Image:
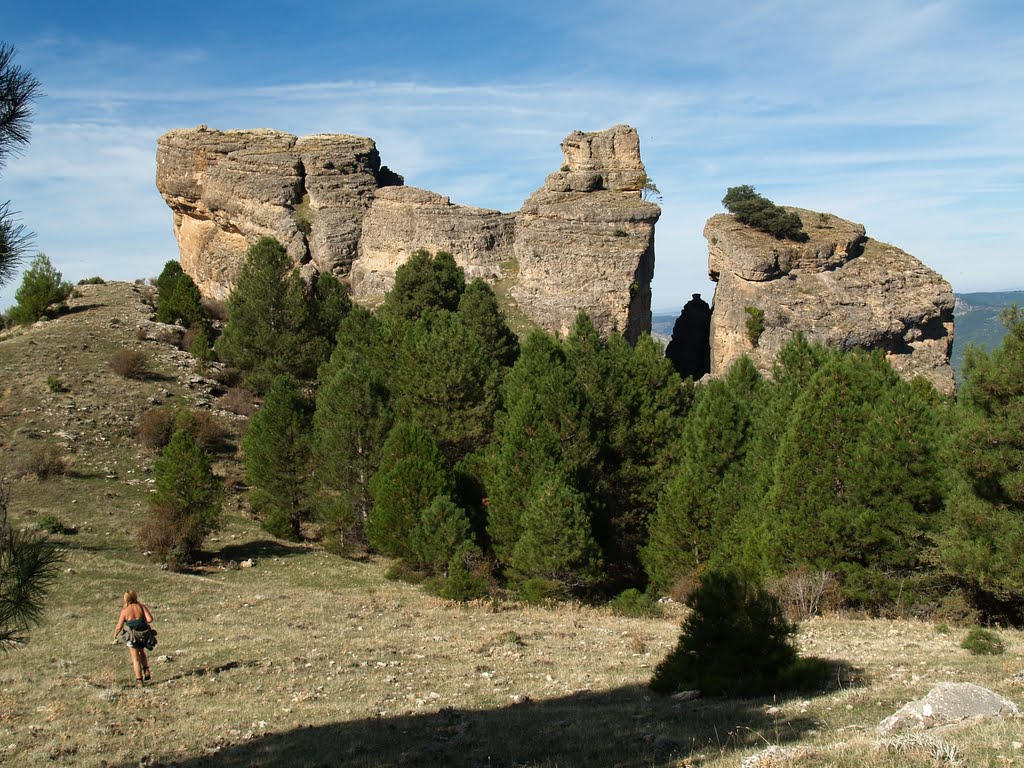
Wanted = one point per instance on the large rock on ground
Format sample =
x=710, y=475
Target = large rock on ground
x=839, y=288
x=946, y=704
x=584, y=241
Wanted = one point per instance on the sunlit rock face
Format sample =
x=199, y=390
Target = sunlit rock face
x=838, y=287
x=582, y=242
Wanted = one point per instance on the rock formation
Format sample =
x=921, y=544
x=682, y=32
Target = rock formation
x=839, y=287
x=584, y=241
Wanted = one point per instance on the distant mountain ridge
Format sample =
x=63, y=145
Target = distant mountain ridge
x=976, y=317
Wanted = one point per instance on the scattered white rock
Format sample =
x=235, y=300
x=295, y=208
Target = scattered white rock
x=685, y=696
x=776, y=756
x=949, y=703
x=247, y=563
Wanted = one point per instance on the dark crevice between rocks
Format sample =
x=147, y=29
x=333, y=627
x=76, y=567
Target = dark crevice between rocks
x=690, y=347
x=303, y=212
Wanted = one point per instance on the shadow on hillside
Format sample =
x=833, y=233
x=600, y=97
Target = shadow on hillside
x=77, y=308
x=624, y=727
x=261, y=548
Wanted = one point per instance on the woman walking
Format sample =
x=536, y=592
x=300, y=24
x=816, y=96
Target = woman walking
x=135, y=619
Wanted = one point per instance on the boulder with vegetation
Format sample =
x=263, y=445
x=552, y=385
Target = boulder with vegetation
x=837, y=286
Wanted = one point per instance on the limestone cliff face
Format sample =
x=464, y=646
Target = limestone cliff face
x=584, y=241
x=839, y=287
x=586, y=238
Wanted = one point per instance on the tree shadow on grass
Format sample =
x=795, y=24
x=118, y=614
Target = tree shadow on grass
x=261, y=548
x=628, y=726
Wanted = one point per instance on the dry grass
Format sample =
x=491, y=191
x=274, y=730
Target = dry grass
x=311, y=659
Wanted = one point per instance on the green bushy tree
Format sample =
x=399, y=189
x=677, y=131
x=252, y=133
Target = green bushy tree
x=29, y=565
x=696, y=504
x=277, y=457
x=177, y=297
x=557, y=542
x=424, y=282
x=412, y=474
x=838, y=501
x=185, y=506
x=41, y=287
x=544, y=430
x=982, y=541
x=442, y=529
x=18, y=92
x=735, y=642
x=276, y=323
x=442, y=376
x=761, y=213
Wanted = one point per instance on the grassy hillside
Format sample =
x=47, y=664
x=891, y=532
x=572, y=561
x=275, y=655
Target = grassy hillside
x=311, y=659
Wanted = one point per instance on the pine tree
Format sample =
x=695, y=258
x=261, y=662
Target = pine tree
x=412, y=474
x=557, y=542
x=441, y=531
x=178, y=299
x=857, y=479
x=277, y=456
x=693, y=509
x=41, y=286
x=479, y=311
x=982, y=542
x=351, y=422
x=441, y=376
x=251, y=337
x=29, y=565
x=545, y=429
x=423, y=282
x=185, y=506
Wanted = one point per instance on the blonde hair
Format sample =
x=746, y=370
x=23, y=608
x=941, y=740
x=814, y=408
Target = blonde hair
x=130, y=597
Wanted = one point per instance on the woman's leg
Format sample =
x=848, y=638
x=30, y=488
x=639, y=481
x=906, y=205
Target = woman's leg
x=136, y=662
x=145, y=664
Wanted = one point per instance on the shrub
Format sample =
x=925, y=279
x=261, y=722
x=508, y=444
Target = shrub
x=635, y=603
x=206, y=429
x=808, y=674
x=55, y=385
x=468, y=575
x=92, y=281
x=155, y=427
x=735, y=641
x=130, y=363
x=41, y=462
x=538, y=591
x=983, y=642
x=53, y=524
x=805, y=593
x=239, y=400
x=761, y=213
x=755, y=325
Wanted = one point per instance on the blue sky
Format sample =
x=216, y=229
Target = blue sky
x=905, y=116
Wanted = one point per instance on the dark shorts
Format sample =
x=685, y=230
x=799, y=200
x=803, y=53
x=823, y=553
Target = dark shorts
x=139, y=625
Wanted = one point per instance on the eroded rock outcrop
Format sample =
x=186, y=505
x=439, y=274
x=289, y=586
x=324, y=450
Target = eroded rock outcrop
x=584, y=241
x=839, y=287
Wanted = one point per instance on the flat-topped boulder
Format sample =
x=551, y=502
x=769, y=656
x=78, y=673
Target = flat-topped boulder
x=838, y=287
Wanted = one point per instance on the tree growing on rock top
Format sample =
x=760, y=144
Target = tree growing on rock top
x=761, y=213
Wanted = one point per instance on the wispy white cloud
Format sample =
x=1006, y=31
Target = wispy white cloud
x=898, y=113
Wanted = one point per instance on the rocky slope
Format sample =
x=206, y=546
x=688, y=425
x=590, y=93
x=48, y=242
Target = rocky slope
x=584, y=241
x=839, y=287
